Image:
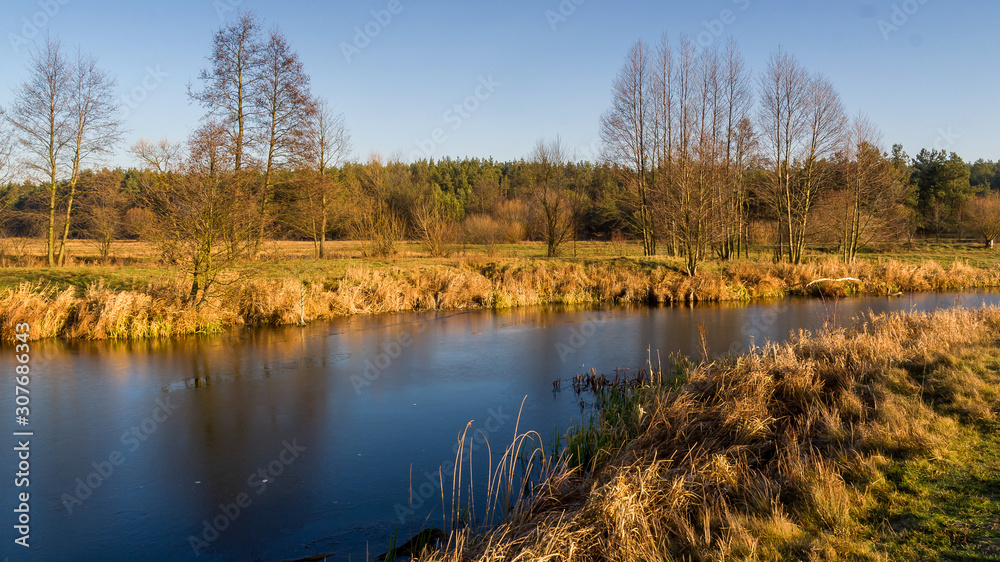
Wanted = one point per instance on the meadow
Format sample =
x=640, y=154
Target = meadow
x=136, y=296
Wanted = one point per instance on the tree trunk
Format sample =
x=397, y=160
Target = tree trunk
x=61, y=259
x=51, y=241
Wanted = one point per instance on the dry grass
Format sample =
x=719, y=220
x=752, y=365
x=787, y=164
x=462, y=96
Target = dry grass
x=272, y=296
x=772, y=455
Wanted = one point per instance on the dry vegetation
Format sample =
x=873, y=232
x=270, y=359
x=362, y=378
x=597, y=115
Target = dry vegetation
x=788, y=452
x=80, y=303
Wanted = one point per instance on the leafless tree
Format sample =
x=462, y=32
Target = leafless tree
x=43, y=125
x=740, y=144
x=63, y=115
x=627, y=137
x=434, y=227
x=103, y=204
x=983, y=214
x=782, y=124
x=8, y=162
x=329, y=141
x=285, y=112
x=802, y=119
x=231, y=82
x=320, y=201
x=208, y=148
x=873, y=190
x=379, y=226
x=825, y=127
x=96, y=126
x=8, y=172
x=162, y=156
x=548, y=191
x=199, y=211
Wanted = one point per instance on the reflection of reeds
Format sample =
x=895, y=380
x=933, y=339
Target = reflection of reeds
x=778, y=454
x=159, y=310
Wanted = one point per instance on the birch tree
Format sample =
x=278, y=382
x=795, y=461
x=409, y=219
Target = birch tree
x=64, y=115
x=43, y=125
x=95, y=127
x=320, y=201
x=626, y=134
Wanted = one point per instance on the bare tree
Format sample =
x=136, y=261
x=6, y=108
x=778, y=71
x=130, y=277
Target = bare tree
x=208, y=149
x=873, y=190
x=802, y=119
x=736, y=104
x=95, y=126
x=316, y=203
x=548, y=191
x=162, y=156
x=782, y=124
x=825, y=125
x=285, y=110
x=665, y=121
x=329, y=146
x=231, y=82
x=103, y=204
x=64, y=115
x=983, y=214
x=198, y=213
x=8, y=163
x=627, y=137
x=8, y=172
x=43, y=125
x=434, y=227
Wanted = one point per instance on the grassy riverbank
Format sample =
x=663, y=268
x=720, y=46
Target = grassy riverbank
x=874, y=444
x=138, y=299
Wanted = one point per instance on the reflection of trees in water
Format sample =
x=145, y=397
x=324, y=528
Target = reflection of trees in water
x=242, y=395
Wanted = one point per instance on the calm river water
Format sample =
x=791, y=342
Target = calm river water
x=282, y=443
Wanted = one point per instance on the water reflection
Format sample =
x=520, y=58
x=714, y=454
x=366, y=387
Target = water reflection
x=371, y=400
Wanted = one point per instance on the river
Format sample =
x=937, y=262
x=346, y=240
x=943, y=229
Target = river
x=282, y=443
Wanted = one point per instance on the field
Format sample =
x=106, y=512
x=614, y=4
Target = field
x=135, y=296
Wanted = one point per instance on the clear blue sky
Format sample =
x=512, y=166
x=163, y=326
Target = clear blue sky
x=934, y=81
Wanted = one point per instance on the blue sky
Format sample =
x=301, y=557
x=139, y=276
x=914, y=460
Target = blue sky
x=931, y=81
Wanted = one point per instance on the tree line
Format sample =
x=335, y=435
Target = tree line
x=702, y=157
x=709, y=147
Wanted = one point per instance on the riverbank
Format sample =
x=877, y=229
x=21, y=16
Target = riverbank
x=86, y=304
x=873, y=444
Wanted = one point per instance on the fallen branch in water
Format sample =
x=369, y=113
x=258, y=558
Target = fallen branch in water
x=834, y=280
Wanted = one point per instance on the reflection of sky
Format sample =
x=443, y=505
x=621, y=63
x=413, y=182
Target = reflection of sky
x=241, y=396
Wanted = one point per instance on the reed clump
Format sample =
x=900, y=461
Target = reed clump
x=778, y=454
x=160, y=309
